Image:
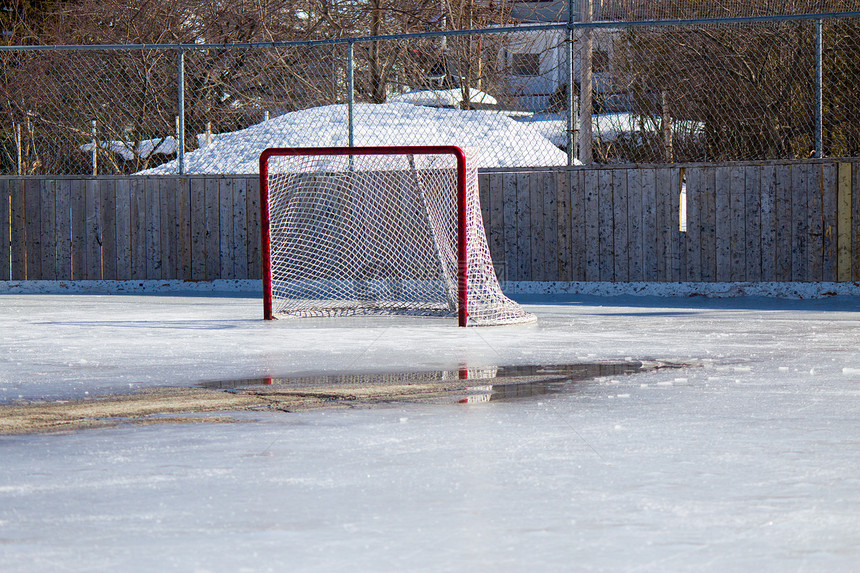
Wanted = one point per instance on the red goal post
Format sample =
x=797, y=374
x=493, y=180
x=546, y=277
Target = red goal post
x=299, y=179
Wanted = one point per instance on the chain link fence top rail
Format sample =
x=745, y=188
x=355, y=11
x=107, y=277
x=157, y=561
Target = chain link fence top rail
x=685, y=91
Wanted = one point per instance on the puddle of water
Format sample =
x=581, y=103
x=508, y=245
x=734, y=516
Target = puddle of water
x=516, y=382
x=479, y=384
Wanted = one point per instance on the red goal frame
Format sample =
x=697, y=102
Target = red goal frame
x=458, y=153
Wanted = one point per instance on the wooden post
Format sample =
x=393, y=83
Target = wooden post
x=666, y=127
x=585, y=83
x=95, y=158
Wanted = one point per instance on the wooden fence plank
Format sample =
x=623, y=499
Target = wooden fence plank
x=800, y=224
x=240, y=229
x=524, y=254
x=225, y=226
x=484, y=197
x=550, y=225
x=855, y=219
x=122, y=192
x=197, y=189
x=183, y=229
x=5, y=231
x=782, y=193
x=496, y=224
x=154, y=254
x=694, y=224
x=723, y=224
x=829, y=221
x=93, y=230
x=650, y=263
x=211, y=216
x=708, y=227
x=577, y=224
x=673, y=213
x=678, y=239
x=48, y=229
x=255, y=261
x=605, y=231
x=564, y=261
x=32, y=228
x=635, y=267
x=107, y=222
x=78, y=216
x=844, y=205
x=620, y=231
x=661, y=214
x=509, y=198
x=737, y=196
x=664, y=221
x=752, y=222
x=18, y=233
x=537, y=230
x=138, y=226
x=592, y=225
x=63, y=211
x=767, y=184
x=679, y=242
x=167, y=228
x=815, y=224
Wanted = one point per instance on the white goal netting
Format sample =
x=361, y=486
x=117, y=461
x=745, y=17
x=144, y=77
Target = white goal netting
x=378, y=234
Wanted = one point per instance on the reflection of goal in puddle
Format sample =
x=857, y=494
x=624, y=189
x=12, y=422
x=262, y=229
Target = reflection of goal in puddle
x=491, y=383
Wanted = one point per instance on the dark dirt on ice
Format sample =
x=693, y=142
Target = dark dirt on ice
x=214, y=402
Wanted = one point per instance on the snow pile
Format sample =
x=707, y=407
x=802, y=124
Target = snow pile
x=498, y=140
x=443, y=98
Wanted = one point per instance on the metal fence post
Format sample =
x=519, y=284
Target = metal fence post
x=350, y=92
x=585, y=84
x=180, y=122
x=819, y=96
x=571, y=120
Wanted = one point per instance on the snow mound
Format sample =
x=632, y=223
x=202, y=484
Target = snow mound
x=494, y=140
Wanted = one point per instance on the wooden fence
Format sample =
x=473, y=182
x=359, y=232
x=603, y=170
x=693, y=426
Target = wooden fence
x=131, y=228
x=792, y=221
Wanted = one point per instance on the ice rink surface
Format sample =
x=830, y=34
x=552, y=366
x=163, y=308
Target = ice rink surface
x=746, y=458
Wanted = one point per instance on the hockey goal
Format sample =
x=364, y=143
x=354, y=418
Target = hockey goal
x=377, y=230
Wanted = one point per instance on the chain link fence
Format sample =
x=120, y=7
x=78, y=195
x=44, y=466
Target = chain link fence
x=661, y=92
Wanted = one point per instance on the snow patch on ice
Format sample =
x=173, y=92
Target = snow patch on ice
x=789, y=290
x=793, y=290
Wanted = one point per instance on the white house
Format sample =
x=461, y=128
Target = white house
x=536, y=61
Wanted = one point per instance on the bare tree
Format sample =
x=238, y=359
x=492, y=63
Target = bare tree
x=741, y=92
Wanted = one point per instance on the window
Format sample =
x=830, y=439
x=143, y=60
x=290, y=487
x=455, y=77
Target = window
x=525, y=64
x=600, y=61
